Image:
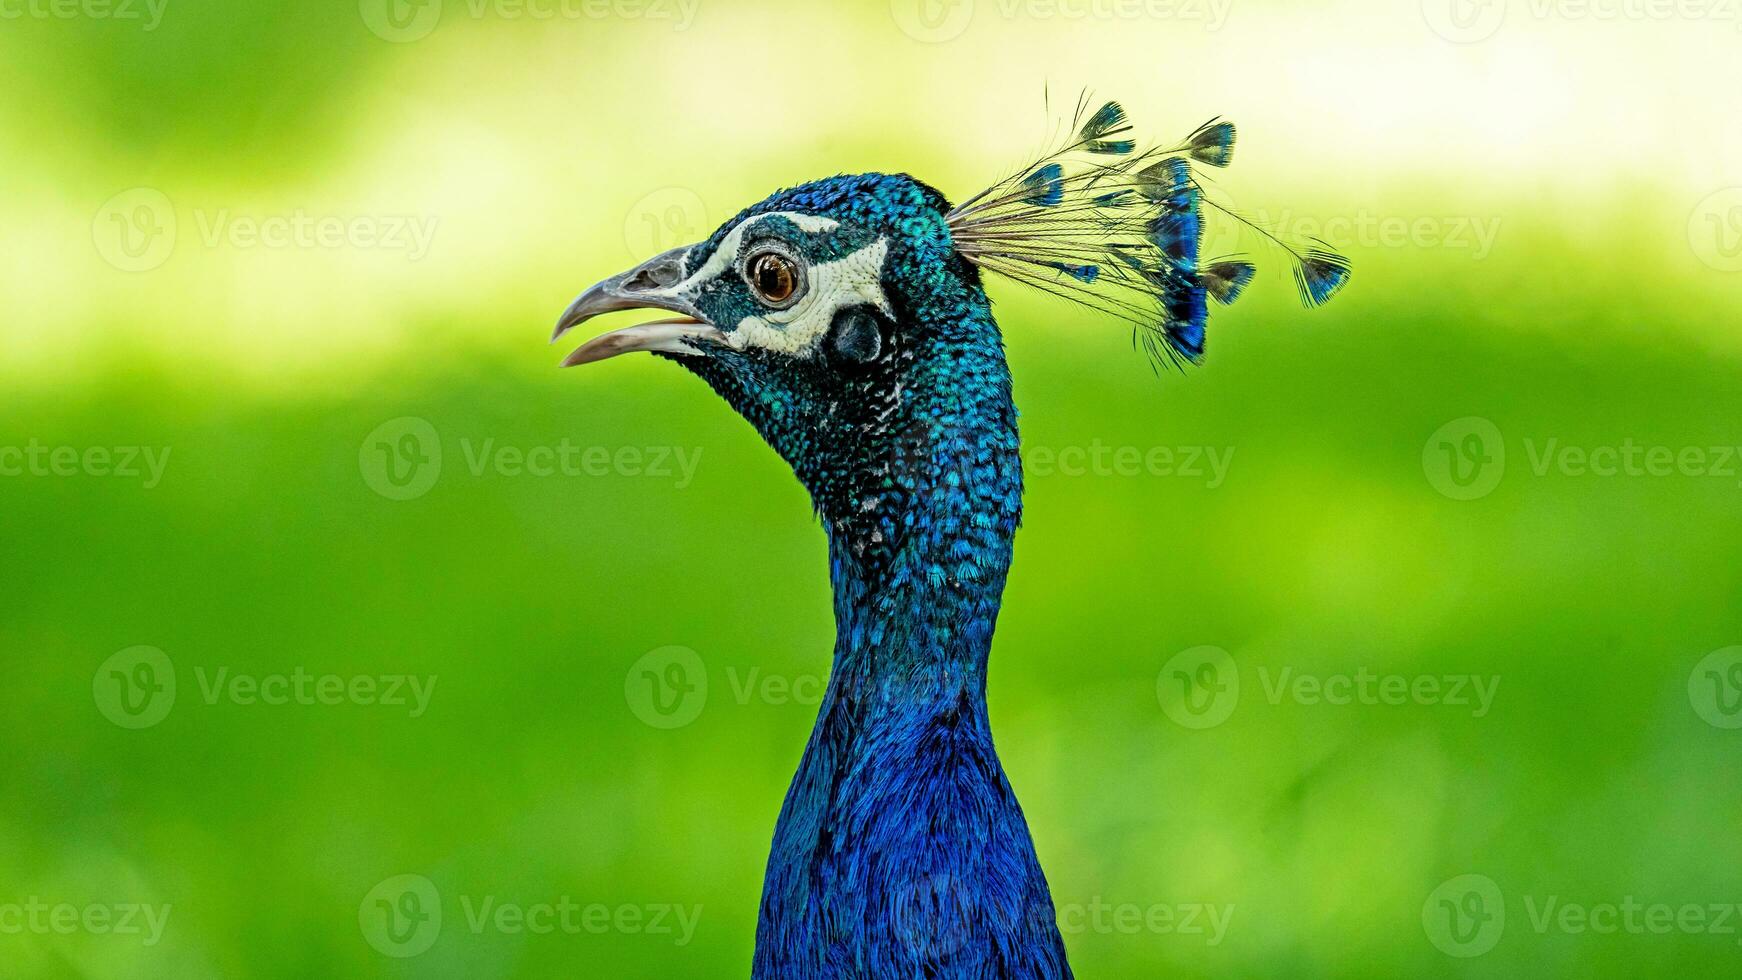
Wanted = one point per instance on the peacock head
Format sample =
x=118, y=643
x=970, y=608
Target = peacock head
x=815, y=313
x=845, y=318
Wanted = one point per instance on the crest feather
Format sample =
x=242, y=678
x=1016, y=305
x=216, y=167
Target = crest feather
x=1119, y=231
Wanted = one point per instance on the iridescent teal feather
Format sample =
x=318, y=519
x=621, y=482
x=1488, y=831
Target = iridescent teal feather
x=1044, y=186
x=1213, y=144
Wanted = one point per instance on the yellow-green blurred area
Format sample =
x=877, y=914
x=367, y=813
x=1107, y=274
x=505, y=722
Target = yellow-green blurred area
x=255, y=248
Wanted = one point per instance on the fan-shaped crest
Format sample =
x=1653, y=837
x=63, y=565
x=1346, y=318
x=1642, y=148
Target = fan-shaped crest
x=1118, y=229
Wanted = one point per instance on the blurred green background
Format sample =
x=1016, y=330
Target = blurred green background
x=257, y=243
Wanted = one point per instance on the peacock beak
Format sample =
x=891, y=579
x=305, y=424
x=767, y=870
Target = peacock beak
x=656, y=284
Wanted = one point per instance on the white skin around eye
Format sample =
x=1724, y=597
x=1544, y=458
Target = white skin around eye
x=851, y=280
x=727, y=253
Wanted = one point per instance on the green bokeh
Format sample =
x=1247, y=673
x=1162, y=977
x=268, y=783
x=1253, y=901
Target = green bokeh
x=1332, y=544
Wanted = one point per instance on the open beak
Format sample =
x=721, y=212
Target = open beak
x=652, y=285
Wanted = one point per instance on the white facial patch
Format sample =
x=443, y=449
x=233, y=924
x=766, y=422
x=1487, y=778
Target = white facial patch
x=851, y=280
x=810, y=224
x=727, y=253
x=848, y=281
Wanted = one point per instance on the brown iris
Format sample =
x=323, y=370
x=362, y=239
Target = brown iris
x=773, y=276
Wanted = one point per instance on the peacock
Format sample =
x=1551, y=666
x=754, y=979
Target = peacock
x=846, y=321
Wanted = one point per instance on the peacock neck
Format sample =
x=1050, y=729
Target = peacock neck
x=901, y=849
x=920, y=554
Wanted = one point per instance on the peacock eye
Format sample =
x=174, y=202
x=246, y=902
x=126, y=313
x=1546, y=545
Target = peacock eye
x=773, y=277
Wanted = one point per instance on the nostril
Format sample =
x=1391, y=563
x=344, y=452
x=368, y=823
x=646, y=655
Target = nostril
x=660, y=274
x=641, y=281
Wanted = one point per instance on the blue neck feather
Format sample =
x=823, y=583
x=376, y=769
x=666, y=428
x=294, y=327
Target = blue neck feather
x=901, y=850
